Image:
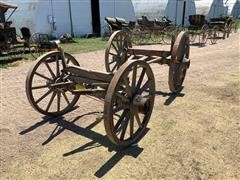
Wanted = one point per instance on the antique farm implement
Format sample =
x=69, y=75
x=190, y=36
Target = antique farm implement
x=156, y=31
x=216, y=28
x=12, y=44
x=199, y=27
x=116, y=24
x=119, y=50
x=56, y=81
x=145, y=30
x=223, y=25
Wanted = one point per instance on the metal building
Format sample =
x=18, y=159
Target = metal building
x=233, y=8
x=176, y=10
x=77, y=17
x=179, y=10
x=212, y=8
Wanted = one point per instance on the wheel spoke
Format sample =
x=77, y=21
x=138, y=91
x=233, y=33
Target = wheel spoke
x=51, y=100
x=45, y=95
x=113, y=61
x=144, y=87
x=42, y=76
x=120, y=120
x=117, y=109
x=138, y=119
x=122, y=97
x=50, y=70
x=125, y=125
x=65, y=97
x=112, y=54
x=121, y=42
x=115, y=66
x=134, y=76
x=68, y=60
x=118, y=43
x=58, y=101
x=117, y=51
x=40, y=87
x=131, y=124
x=57, y=67
x=139, y=83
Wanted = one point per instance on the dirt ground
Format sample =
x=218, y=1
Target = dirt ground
x=192, y=135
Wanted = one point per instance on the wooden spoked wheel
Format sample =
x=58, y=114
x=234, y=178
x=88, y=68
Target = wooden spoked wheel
x=44, y=85
x=169, y=32
x=235, y=27
x=35, y=45
x=106, y=31
x=135, y=36
x=204, y=35
x=129, y=102
x=143, y=35
x=179, y=62
x=156, y=36
x=226, y=30
x=214, y=35
x=192, y=36
x=116, y=51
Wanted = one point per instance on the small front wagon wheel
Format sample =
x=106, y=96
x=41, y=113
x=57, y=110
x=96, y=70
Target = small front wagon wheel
x=129, y=102
x=47, y=88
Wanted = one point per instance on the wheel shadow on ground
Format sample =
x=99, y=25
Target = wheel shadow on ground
x=10, y=60
x=97, y=140
x=197, y=44
x=171, y=96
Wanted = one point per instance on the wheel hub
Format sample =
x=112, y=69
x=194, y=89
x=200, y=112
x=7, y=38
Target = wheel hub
x=141, y=104
x=58, y=84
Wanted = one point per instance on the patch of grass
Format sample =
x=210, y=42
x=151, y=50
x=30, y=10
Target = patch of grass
x=238, y=23
x=83, y=45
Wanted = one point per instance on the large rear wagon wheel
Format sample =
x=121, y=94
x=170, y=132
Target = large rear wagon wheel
x=179, y=62
x=43, y=88
x=116, y=51
x=129, y=102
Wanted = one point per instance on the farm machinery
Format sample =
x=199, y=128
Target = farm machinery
x=56, y=81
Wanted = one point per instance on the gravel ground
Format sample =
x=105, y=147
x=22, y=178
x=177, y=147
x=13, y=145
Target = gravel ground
x=194, y=135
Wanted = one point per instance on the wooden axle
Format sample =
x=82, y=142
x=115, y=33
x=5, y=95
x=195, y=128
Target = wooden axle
x=145, y=52
x=89, y=74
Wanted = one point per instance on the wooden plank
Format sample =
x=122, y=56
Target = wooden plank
x=145, y=52
x=89, y=74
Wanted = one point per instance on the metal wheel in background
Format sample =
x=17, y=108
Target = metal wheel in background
x=43, y=85
x=129, y=102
